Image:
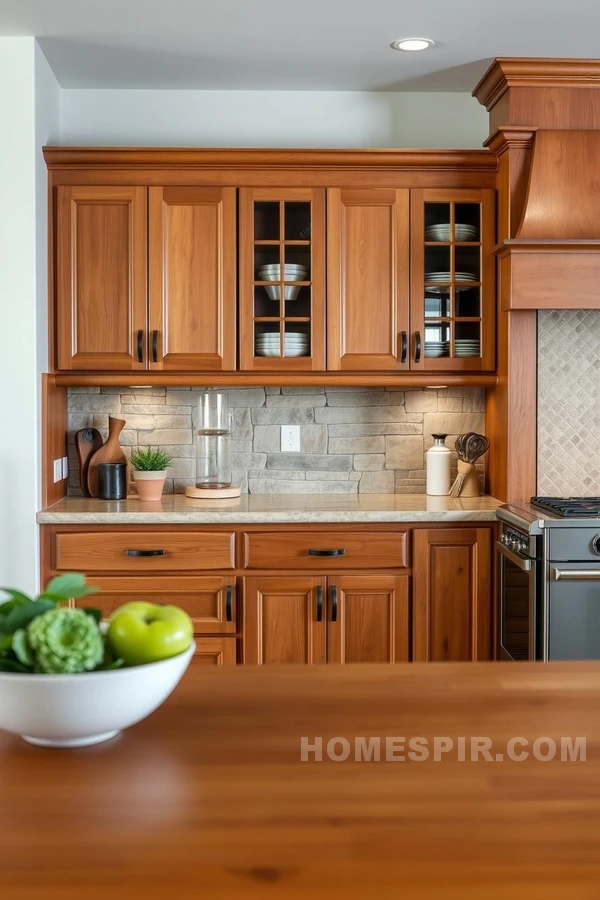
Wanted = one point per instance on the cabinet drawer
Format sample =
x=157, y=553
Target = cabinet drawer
x=327, y=551
x=210, y=601
x=215, y=651
x=143, y=551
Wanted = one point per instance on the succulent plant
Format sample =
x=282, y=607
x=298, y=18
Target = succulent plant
x=149, y=460
x=65, y=641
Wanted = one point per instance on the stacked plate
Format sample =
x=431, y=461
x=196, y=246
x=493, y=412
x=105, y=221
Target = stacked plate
x=295, y=344
x=443, y=232
x=466, y=347
x=462, y=281
x=291, y=272
x=437, y=348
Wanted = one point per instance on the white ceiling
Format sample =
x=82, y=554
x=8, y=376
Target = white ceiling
x=294, y=44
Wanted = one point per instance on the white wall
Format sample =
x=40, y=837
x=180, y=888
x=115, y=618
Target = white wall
x=18, y=388
x=272, y=119
x=24, y=77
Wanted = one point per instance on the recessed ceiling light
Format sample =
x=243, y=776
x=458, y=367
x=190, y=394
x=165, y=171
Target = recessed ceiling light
x=411, y=45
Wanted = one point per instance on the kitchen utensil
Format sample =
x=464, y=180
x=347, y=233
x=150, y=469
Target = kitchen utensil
x=110, y=452
x=87, y=442
x=305, y=232
x=469, y=447
x=112, y=481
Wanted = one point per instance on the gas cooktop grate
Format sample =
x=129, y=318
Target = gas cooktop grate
x=569, y=507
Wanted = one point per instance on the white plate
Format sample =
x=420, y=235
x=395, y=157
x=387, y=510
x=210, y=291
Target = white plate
x=265, y=351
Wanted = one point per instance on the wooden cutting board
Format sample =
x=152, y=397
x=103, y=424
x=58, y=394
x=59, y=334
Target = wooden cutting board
x=87, y=441
x=110, y=452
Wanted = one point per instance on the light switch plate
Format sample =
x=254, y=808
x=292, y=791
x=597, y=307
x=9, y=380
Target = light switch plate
x=57, y=470
x=290, y=439
x=65, y=467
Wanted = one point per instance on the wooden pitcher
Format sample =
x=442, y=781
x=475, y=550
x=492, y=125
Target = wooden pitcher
x=110, y=452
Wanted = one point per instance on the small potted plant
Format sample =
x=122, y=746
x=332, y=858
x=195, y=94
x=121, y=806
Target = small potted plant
x=149, y=472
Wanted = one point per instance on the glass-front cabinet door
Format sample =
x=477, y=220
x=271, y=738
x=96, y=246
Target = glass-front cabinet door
x=452, y=296
x=282, y=279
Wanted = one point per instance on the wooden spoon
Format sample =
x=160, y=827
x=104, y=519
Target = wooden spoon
x=110, y=453
x=88, y=441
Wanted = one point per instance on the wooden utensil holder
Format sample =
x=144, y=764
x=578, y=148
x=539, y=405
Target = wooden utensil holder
x=470, y=485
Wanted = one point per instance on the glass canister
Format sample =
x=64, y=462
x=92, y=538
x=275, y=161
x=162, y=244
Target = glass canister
x=213, y=437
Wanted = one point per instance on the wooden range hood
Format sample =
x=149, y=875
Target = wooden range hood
x=545, y=133
x=553, y=259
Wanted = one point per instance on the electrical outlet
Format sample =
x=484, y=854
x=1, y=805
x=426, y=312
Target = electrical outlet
x=65, y=467
x=290, y=439
x=57, y=470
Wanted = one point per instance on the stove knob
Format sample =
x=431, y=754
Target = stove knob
x=596, y=544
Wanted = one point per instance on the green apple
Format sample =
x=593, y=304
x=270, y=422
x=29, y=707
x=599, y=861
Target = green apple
x=141, y=632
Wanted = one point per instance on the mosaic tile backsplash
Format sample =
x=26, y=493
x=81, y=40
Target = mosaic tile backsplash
x=352, y=440
x=569, y=402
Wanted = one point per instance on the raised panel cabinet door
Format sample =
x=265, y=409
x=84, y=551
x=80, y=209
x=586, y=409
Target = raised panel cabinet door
x=368, y=279
x=452, y=594
x=101, y=296
x=368, y=619
x=209, y=600
x=192, y=271
x=453, y=306
x=215, y=651
x=284, y=620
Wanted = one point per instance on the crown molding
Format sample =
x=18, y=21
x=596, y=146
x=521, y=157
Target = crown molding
x=507, y=72
x=200, y=157
x=510, y=136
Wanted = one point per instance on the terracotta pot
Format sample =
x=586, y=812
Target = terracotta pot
x=149, y=484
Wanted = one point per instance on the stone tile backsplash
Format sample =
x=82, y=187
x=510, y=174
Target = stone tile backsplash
x=569, y=402
x=352, y=440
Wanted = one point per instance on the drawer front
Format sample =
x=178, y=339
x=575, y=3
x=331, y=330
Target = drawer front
x=326, y=551
x=215, y=651
x=145, y=552
x=209, y=601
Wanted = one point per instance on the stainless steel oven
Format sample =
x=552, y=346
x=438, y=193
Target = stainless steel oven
x=549, y=570
x=520, y=567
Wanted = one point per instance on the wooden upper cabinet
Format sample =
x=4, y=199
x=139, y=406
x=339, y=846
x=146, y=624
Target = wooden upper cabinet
x=101, y=252
x=282, y=279
x=368, y=619
x=452, y=589
x=284, y=620
x=192, y=279
x=453, y=280
x=368, y=279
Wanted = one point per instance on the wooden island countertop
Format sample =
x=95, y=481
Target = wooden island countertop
x=209, y=798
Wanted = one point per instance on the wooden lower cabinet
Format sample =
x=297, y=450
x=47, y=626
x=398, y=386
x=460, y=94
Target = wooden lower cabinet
x=371, y=621
x=339, y=619
x=284, y=620
x=215, y=651
x=452, y=588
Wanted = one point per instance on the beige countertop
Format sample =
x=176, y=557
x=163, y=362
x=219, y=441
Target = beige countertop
x=176, y=509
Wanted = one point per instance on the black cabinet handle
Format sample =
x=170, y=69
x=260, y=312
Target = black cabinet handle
x=228, y=603
x=155, y=346
x=417, y=346
x=319, y=603
x=403, y=346
x=145, y=552
x=140, y=345
x=340, y=552
x=334, y=603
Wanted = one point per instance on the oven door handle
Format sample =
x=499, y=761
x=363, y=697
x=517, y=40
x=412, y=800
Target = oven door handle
x=575, y=574
x=523, y=564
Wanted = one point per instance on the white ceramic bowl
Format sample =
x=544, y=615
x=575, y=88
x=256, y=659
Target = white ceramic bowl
x=77, y=710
